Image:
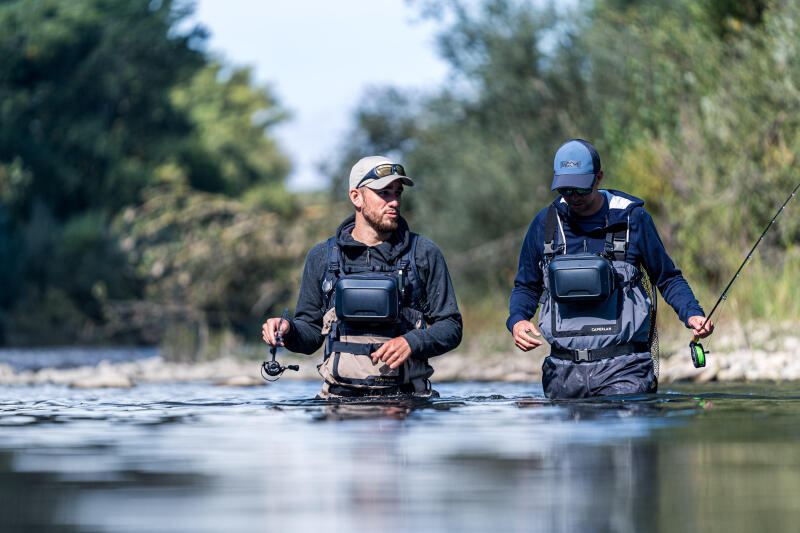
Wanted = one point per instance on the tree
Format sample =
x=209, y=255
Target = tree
x=229, y=151
x=87, y=112
x=102, y=103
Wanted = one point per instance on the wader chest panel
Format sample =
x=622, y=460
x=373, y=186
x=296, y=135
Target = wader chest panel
x=580, y=324
x=366, y=306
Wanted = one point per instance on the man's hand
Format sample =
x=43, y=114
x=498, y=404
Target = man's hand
x=696, y=322
x=521, y=338
x=269, y=331
x=392, y=352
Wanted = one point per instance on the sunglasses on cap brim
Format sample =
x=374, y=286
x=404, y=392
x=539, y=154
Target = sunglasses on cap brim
x=381, y=171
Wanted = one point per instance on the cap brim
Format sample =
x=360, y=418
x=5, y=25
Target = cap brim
x=581, y=181
x=382, y=183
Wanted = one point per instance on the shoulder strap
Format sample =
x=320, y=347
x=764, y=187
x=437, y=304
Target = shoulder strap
x=407, y=260
x=616, y=244
x=332, y=269
x=550, y=228
x=408, y=263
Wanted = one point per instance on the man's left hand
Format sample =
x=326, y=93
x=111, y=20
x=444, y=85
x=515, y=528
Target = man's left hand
x=697, y=326
x=392, y=352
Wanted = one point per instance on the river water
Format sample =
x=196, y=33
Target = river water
x=482, y=457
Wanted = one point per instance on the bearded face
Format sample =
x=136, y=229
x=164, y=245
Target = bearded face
x=376, y=218
x=381, y=208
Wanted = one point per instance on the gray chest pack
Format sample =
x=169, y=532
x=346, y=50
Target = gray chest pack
x=365, y=306
x=593, y=306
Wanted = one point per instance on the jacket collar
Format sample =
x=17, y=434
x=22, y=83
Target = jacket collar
x=620, y=205
x=390, y=249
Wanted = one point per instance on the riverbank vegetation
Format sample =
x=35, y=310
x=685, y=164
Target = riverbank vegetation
x=143, y=198
x=690, y=104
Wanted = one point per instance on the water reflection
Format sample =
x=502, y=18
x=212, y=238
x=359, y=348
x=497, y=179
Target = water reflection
x=338, y=412
x=481, y=457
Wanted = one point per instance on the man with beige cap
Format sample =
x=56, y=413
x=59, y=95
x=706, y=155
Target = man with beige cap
x=380, y=294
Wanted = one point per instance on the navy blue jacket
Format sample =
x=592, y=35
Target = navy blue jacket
x=586, y=234
x=443, y=318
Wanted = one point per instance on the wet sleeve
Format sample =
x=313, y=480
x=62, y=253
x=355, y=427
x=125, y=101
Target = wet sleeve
x=668, y=278
x=528, y=282
x=305, y=332
x=443, y=317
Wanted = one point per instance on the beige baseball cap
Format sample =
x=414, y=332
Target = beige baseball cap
x=388, y=172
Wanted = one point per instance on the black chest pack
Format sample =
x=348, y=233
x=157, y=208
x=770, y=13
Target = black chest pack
x=581, y=277
x=372, y=295
x=364, y=307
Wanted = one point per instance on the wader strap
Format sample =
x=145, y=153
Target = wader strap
x=332, y=255
x=617, y=242
x=331, y=272
x=599, y=353
x=348, y=392
x=550, y=223
x=356, y=348
x=418, y=297
x=360, y=269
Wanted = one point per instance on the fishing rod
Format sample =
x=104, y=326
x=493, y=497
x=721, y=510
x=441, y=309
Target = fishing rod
x=273, y=368
x=697, y=350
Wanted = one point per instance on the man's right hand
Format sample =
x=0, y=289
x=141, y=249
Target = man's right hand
x=269, y=331
x=521, y=338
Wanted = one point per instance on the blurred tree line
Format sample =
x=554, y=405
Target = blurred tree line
x=691, y=104
x=142, y=198
x=140, y=193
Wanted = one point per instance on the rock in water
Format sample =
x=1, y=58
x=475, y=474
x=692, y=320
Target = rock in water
x=117, y=381
x=240, y=381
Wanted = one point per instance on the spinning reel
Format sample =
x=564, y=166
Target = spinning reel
x=272, y=367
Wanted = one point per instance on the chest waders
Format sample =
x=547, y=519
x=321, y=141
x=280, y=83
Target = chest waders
x=594, y=307
x=365, y=306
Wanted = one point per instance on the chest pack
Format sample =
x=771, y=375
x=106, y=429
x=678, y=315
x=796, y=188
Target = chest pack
x=593, y=305
x=365, y=306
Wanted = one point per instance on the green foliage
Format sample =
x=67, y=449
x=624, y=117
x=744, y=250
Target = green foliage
x=104, y=104
x=86, y=108
x=229, y=151
x=209, y=259
x=692, y=106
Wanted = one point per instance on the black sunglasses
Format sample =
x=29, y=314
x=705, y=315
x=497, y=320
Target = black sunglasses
x=569, y=191
x=580, y=191
x=381, y=171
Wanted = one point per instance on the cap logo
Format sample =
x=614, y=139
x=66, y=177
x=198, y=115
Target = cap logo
x=570, y=164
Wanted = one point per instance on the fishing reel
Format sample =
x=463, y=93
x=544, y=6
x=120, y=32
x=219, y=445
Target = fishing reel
x=698, y=354
x=272, y=367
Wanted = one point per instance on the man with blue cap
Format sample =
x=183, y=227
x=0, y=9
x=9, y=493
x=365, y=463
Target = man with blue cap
x=583, y=260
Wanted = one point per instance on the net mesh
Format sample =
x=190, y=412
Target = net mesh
x=653, y=338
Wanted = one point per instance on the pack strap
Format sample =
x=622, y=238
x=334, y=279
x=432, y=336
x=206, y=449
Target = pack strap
x=599, y=353
x=360, y=269
x=616, y=244
x=331, y=272
x=550, y=224
x=333, y=255
x=355, y=348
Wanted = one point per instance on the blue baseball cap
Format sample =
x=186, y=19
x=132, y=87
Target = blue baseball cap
x=576, y=165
